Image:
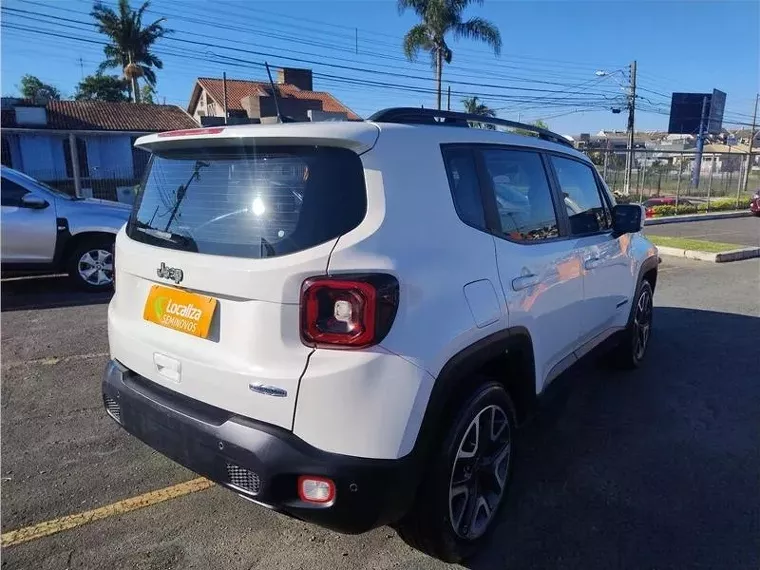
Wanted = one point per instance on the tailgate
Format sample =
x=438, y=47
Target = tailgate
x=209, y=269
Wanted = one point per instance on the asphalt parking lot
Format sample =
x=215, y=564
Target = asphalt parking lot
x=741, y=231
x=654, y=469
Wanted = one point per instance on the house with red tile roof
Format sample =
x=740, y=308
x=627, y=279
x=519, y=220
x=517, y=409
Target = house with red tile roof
x=84, y=147
x=252, y=101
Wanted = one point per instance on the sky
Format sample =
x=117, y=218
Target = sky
x=551, y=51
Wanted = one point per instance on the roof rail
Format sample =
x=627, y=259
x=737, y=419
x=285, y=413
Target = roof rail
x=413, y=115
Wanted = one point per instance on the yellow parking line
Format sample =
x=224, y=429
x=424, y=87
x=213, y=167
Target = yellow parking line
x=47, y=528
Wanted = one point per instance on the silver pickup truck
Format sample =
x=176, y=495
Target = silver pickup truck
x=46, y=230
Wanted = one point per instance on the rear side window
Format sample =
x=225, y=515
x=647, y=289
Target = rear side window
x=465, y=188
x=249, y=201
x=585, y=208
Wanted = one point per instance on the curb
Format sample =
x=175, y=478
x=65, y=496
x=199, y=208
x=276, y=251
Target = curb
x=722, y=257
x=695, y=218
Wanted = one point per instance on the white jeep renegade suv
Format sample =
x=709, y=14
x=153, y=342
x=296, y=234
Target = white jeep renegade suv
x=347, y=321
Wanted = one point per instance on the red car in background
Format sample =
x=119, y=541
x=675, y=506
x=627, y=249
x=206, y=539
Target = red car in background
x=754, y=205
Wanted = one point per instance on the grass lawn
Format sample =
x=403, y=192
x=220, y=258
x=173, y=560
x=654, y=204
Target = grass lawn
x=692, y=244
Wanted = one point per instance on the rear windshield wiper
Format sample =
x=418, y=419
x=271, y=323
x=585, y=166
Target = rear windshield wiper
x=185, y=242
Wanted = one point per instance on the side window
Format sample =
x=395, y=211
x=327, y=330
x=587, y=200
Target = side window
x=523, y=196
x=580, y=192
x=11, y=193
x=465, y=188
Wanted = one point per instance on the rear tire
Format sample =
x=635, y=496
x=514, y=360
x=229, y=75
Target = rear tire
x=90, y=264
x=630, y=353
x=467, y=478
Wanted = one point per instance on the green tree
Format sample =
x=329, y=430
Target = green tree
x=101, y=87
x=538, y=123
x=440, y=18
x=33, y=88
x=473, y=106
x=148, y=94
x=129, y=46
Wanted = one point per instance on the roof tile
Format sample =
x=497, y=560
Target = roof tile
x=238, y=89
x=108, y=116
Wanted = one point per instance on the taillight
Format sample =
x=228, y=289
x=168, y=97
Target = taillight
x=348, y=311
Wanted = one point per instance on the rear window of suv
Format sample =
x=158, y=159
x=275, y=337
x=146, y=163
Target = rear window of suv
x=249, y=201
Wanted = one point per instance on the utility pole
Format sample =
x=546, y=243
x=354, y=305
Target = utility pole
x=448, y=99
x=629, y=159
x=224, y=88
x=81, y=67
x=700, y=145
x=751, y=144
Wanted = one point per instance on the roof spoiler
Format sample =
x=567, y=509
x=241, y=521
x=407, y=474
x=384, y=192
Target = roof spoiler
x=414, y=116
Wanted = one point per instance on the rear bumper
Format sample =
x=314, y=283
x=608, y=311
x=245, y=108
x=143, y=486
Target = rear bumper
x=258, y=461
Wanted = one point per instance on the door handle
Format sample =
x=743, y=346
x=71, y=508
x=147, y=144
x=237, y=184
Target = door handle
x=525, y=281
x=592, y=263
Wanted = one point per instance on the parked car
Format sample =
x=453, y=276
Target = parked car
x=754, y=205
x=46, y=230
x=346, y=322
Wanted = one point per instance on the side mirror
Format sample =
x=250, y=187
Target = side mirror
x=34, y=202
x=627, y=218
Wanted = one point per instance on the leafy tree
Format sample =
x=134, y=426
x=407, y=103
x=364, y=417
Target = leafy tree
x=538, y=123
x=130, y=43
x=440, y=18
x=147, y=94
x=101, y=87
x=33, y=88
x=473, y=106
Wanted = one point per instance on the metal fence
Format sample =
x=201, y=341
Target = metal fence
x=106, y=184
x=658, y=173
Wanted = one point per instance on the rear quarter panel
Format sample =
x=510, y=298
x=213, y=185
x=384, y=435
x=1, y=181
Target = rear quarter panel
x=411, y=231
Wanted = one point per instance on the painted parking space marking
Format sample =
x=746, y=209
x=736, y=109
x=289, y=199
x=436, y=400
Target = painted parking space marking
x=40, y=530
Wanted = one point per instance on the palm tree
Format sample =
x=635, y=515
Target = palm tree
x=130, y=42
x=473, y=106
x=439, y=18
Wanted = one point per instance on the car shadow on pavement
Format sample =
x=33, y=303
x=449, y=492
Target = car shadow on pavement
x=45, y=292
x=655, y=468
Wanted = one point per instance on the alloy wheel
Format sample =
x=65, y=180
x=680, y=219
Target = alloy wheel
x=95, y=267
x=642, y=324
x=479, y=475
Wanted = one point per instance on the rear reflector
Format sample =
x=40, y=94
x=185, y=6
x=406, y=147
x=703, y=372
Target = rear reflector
x=312, y=489
x=190, y=132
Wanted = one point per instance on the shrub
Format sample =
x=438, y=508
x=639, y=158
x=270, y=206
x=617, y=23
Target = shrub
x=725, y=204
x=659, y=211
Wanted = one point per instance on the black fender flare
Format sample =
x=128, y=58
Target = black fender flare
x=450, y=381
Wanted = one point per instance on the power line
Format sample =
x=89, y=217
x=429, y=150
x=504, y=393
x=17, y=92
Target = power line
x=32, y=17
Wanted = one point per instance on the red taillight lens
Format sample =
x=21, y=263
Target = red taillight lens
x=351, y=311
